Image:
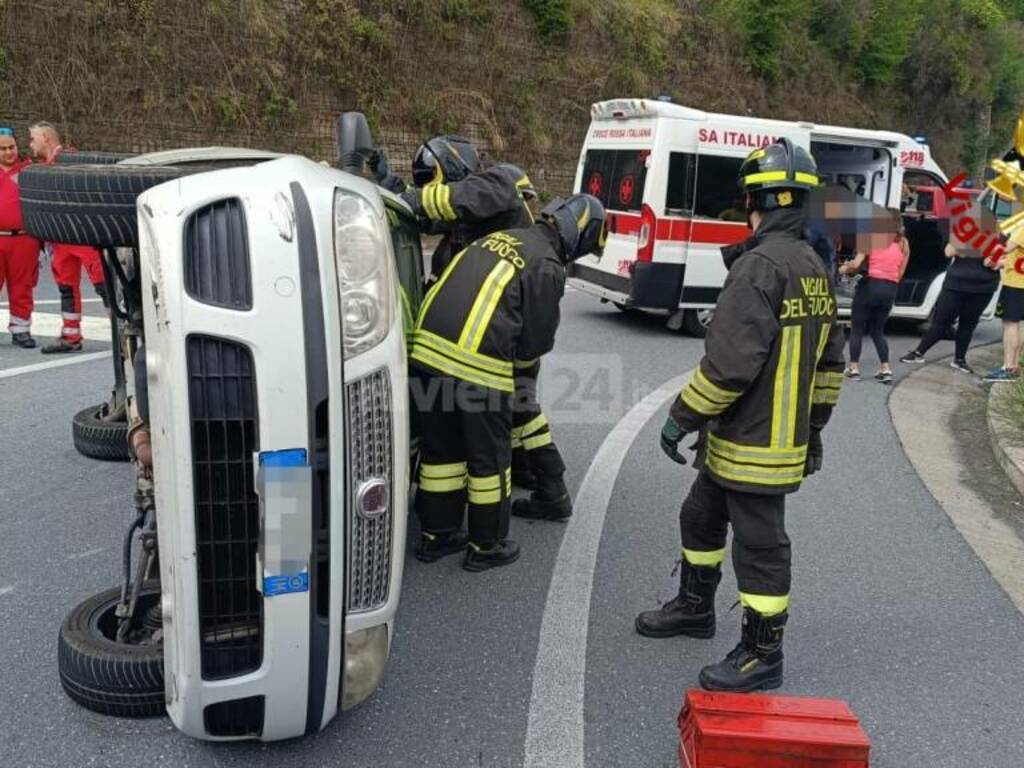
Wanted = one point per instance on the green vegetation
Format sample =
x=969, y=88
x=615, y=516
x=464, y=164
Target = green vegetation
x=518, y=77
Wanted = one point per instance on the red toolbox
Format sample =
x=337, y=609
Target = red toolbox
x=742, y=730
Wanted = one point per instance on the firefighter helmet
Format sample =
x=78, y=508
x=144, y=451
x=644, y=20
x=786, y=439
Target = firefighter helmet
x=444, y=159
x=580, y=223
x=778, y=176
x=523, y=183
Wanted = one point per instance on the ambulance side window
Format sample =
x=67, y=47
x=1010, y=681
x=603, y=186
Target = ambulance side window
x=718, y=196
x=682, y=173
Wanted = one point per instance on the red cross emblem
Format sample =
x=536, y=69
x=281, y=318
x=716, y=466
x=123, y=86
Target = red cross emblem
x=595, y=184
x=626, y=191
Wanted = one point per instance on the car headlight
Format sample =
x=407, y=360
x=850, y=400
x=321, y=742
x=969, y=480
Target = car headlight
x=362, y=255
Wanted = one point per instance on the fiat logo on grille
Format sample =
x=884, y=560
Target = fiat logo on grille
x=372, y=499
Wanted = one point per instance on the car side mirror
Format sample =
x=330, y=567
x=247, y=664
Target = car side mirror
x=355, y=142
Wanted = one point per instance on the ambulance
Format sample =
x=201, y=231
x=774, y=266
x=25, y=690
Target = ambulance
x=666, y=173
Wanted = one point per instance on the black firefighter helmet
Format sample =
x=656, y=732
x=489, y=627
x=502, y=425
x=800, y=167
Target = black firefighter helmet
x=443, y=159
x=580, y=223
x=778, y=176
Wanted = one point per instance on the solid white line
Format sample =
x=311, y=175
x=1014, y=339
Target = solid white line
x=41, y=302
x=73, y=358
x=554, y=730
x=49, y=324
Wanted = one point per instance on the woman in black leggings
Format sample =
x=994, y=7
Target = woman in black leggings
x=966, y=291
x=873, y=300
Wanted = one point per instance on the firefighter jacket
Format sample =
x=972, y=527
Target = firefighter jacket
x=773, y=362
x=496, y=302
x=464, y=211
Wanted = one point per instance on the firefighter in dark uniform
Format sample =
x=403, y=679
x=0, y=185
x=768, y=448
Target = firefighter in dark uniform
x=759, y=398
x=495, y=302
x=453, y=197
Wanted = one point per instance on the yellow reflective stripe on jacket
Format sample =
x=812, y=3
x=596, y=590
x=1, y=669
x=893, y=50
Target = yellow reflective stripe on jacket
x=822, y=396
x=428, y=300
x=822, y=341
x=699, y=403
x=758, y=454
x=485, y=490
x=786, y=389
x=490, y=365
x=446, y=365
x=526, y=363
x=517, y=441
x=828, y=379
x=429, y=198
x=533, y=425
x=766, y=605
x=713, y=557
x=485, y=305
x=754, y=475
x=443, y=199
x=712, y=391
x=759, y=465
x=537, y=441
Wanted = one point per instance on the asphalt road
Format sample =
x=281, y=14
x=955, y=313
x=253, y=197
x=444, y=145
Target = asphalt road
x=891, y=609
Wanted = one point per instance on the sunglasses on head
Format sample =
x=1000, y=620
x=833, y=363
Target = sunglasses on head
x=4, y=131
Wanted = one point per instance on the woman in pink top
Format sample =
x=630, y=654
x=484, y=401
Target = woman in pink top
x=873, y=300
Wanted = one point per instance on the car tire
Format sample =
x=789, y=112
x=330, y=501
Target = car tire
x=696, y=322
x=90, y=158
x=95, y=204
x=106, y=676
x=96, y=437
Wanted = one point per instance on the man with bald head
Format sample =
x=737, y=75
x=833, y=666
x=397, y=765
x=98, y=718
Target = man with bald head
x=19, y=253
x=68, y=260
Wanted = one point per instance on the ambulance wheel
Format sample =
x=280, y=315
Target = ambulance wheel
x=106, y=676
x=696, y=322
x=91, y=158
x=99, y=438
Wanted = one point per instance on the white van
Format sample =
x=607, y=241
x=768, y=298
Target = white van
x=667, y=175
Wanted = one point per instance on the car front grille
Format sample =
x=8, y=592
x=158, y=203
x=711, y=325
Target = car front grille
x=225, y=430
x=217, y=268
x=370, y=458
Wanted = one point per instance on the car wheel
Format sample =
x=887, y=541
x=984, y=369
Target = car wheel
x=106, y=676
x=98, y=436
x=696, y=322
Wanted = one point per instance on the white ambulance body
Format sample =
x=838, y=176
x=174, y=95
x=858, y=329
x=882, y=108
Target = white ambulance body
x=667, y=175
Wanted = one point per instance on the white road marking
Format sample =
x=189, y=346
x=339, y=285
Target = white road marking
x=554, y=730
x=87, y=553
x=47, y=302
x=73, y=358
x=5, y=590
x=49, y=324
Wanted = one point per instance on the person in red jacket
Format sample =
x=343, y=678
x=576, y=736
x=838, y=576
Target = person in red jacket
x=68, y=260
x=19, y=253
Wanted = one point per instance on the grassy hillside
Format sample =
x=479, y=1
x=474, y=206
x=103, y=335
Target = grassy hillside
x=517, y=75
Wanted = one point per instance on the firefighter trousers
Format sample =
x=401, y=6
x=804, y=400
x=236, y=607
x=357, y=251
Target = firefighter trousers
x=760, y=547
x=533, y=446
x=465, y=457
x=19, y=271
x=68, y=262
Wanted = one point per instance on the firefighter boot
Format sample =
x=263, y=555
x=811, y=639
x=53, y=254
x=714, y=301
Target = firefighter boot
x=550, y=501
x=756, y=663
x=692, y=611
x=522, y=475
x=480, y=558
x=434, y=546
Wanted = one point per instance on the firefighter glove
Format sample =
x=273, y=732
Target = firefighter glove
x=815, y=452
x=671, y=435
x=378, y=162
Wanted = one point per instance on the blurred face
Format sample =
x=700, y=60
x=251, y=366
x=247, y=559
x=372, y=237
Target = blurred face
x=40, y=143
x=8, y=151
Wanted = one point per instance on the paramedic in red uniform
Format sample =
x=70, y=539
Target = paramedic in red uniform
x=19, y=253
x=68, y=260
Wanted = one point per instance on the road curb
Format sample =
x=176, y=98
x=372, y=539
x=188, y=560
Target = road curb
x=1005, y=436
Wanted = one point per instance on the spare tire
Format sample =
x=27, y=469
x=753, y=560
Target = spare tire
x=90, y=158
x=106, y=676
x=95, y=204
x=87, y=204
x=98, y=436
